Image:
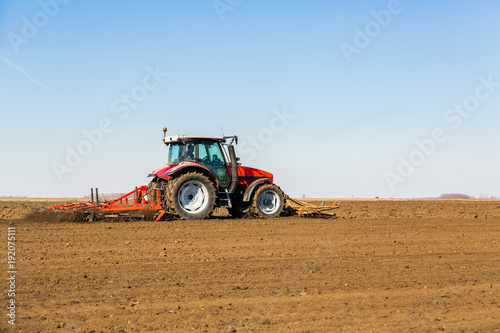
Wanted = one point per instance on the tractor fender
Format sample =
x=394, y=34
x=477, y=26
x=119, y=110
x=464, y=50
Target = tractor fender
x=253, y=186
x=192, y=167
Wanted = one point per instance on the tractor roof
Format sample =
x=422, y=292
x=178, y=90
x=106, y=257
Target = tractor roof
x=184, y=138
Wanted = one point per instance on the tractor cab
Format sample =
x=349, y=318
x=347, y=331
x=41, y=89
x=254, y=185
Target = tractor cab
x=206, y=151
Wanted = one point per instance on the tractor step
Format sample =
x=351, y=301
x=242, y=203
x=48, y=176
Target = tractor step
x=224, y=199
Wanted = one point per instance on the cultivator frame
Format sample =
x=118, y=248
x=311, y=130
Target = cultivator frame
x=306, y=209
x=140, y=202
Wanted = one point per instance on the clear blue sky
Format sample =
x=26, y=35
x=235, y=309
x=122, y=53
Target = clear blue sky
x=336, y=98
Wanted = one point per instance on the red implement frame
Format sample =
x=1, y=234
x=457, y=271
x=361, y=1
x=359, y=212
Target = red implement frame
x=140, y=202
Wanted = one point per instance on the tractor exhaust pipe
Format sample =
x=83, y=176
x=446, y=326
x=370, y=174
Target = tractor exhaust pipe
x=234, y=169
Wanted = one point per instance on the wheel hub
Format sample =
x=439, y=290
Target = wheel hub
x=269, y=202
x=193, y=197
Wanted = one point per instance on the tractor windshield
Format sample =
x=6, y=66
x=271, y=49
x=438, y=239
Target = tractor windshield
x=175, y=154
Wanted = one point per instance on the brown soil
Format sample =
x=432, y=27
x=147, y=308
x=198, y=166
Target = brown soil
x=382, y=265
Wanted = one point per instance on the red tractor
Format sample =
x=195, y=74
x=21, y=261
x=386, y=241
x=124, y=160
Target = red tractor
x=203, y=172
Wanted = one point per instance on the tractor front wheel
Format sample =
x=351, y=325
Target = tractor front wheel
x=192, y=196
x=268, y=201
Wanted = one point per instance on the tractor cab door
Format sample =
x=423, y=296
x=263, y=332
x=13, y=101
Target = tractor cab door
x=210, y=155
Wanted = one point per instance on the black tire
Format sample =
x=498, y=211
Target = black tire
x=191, y=196
x=153, y=186
x=167, y=202
x=239, y=210
x=267, y=201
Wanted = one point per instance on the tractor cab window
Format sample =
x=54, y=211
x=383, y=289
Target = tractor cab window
x=206, y=153
x=175, y=154
x=203, y=154
x=215, y=154
x=211, y=156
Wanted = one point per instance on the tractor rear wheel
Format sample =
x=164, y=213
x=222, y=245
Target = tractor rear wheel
x=151, y=191
x=191, y=196
x=167, y=203
x=268, y=201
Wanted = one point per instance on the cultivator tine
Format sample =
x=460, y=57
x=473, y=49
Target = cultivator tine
x=160, y=215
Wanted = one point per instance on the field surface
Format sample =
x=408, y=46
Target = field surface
x=381, y=266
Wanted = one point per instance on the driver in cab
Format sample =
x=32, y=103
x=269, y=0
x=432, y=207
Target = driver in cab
x=190, y=153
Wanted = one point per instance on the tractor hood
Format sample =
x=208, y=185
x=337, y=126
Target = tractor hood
x=160, y=171
x=249, y=173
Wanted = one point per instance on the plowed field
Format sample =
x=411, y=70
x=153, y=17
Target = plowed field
x=382, y=265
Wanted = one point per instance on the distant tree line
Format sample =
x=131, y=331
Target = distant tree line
x=463, y=196
x=455, y=196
